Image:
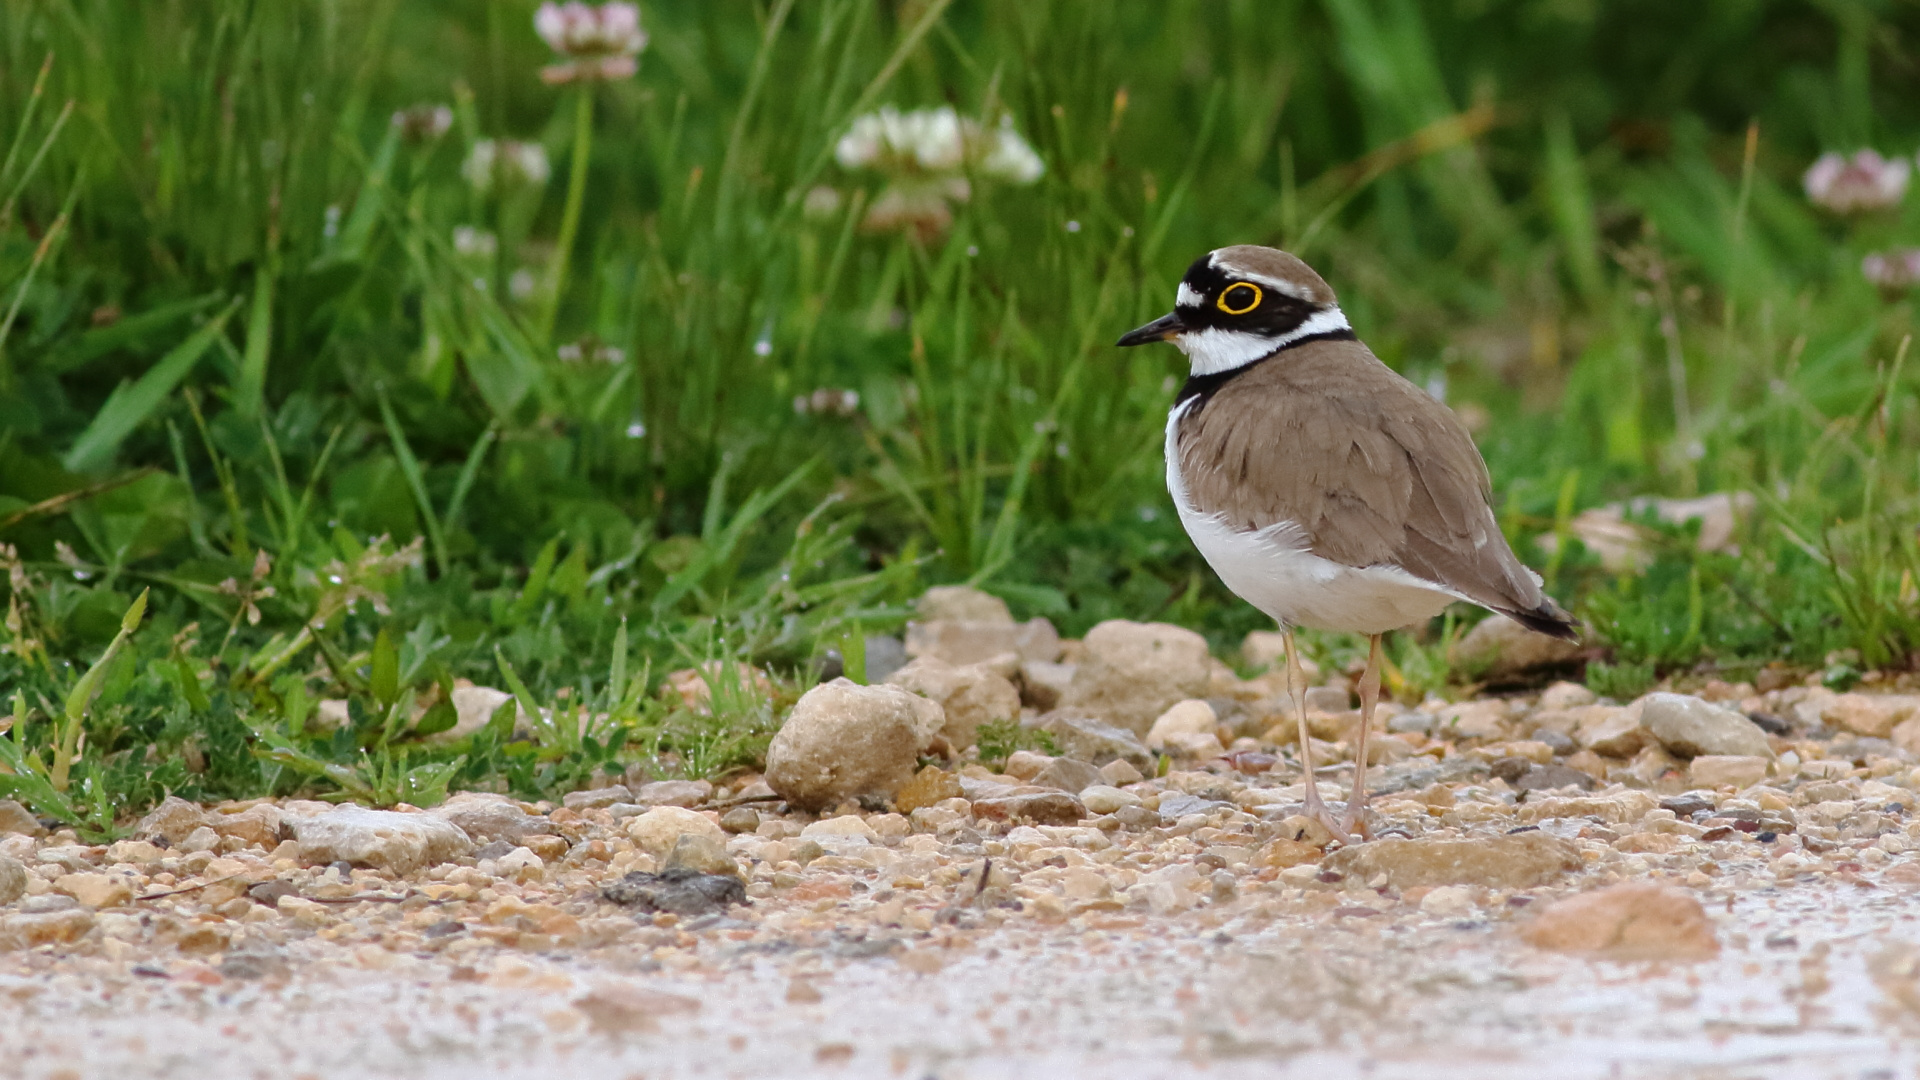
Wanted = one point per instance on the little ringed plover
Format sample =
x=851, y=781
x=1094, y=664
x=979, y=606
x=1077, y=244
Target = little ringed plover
x=1322, y=487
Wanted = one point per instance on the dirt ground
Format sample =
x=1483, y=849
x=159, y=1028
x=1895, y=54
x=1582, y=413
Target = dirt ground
x=1247, y=994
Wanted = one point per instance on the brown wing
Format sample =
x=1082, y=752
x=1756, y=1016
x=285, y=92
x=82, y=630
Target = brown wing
x=1372, y=469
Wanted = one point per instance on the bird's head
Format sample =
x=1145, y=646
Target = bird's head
x=1239, y=304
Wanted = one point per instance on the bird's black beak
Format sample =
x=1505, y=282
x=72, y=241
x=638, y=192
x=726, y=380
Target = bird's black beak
x=1160, y=329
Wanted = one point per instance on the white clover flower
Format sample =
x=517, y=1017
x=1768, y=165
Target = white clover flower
x=1867, y=182
x=527, y=163
x=927, y=155
x=478, y=168
x=1010, y=157
x=424, y=123
x=1893, y=271
x=472, y=243
x=507, y=162
x=597, y=42
x=828, y=401
x=821, y=202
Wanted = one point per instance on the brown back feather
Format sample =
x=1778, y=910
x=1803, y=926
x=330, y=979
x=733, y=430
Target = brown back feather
x=1370, y=467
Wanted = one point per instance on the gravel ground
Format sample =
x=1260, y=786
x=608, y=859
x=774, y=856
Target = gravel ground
x=1525, y=910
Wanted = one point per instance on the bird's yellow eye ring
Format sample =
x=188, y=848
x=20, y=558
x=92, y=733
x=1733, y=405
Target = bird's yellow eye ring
x=1234, y=302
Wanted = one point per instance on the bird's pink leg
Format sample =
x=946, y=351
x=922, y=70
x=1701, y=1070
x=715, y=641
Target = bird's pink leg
x=1356, y=817
x=1297, y=689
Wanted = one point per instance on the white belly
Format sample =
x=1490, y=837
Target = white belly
x=1272, y=569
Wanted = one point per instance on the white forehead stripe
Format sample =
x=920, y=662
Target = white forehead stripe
x=1186, y=297
x=1279, y=285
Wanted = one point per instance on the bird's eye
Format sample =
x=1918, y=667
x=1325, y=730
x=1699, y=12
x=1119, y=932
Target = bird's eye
x=1240, y=298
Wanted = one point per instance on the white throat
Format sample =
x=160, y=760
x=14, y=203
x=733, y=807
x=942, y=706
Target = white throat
x=1214, y=350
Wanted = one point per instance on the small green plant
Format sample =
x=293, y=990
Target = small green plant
x=1623, y=681
x=997, y=740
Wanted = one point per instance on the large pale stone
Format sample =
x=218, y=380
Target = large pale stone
x=1870, y=714
x=473, y=706
x=1727, y=770
x=1497, y=647
x=1086, y=739
x=970, y=696
x=843, y=740
x=1623, y=808
x=1566, y=695
x=657, y=831
x=174, y=820
x=1518, y=861
x=1689, y=727
x=487, y=816
x=1614, y=732
x=1189, y=717
x=962, y=643
x=384, y=839
x=930, y=786
x=1268, y=649
x=1068, y=775
x=1041, y=808
x=258, y=825
x=962, y=603
x=962, y=626
x=1133, y=672
x=95, y=890
x=1633, y=921
x=26, y=930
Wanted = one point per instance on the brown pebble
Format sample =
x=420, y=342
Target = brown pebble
x=1632, y=921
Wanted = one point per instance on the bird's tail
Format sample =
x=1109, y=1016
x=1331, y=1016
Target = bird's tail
x=1548, y=619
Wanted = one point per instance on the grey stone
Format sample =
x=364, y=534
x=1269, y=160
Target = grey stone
x=1040, y=808
x=1068, y=775
x=486, y=816
x=395, y=842
x=1084, y=738
x=677, y=891
x=1138, y=817
x=1411, y=721
x=687, y=793
x=1689, y=727
x=1516, y=861
x=1550, y=777
x=13, y=879
x=740, y=819
x=1043, y=684
x=885, y=655
x=1179, y=806
x=1556, y=741
x=253, y=965
x=700, y=854
x=15, y=818
x=597, y=798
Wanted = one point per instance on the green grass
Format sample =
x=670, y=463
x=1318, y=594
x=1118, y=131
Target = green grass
x=239, y=344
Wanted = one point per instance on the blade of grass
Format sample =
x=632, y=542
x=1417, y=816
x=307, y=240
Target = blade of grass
x=131, y=404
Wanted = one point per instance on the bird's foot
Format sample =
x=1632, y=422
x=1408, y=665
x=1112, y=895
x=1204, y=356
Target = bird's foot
x=1317, y=810
x=1357, y=820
